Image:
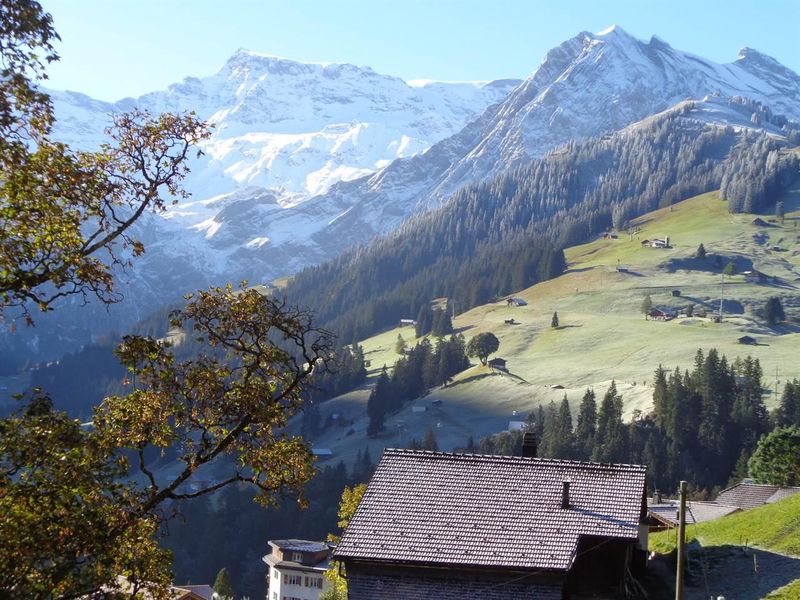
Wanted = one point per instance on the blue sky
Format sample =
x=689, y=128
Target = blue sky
x=116, y=48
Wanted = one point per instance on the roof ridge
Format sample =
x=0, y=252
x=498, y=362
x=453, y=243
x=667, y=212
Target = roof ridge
x=564, y=461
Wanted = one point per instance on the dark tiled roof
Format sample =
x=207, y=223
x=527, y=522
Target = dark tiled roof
x=751, y=495
x=293, y=545
x=783, y=493
x=496, y=511
x=696, y=512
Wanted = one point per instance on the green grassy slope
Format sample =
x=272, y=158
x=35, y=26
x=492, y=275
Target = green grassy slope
x=751, y=554
x=774, y=527
x=603, y=334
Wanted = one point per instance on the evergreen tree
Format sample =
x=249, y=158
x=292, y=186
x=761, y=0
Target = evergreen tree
x=701, y=251
x=773, y=311
x=586, y=427
x=223, y=586
x=740, y=471
x=660, y=406
x=424, y=320
x=789, y=409
x=400, y=345
x=429, y=443
x=442, y=324
x=379, y=403
x=610, y=441
x=730, y=269
x=548, y=444
x=647, y=305
x=564, y=440
x=554, y=321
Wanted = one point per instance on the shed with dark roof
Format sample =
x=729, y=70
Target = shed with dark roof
x=751, y=495
x=484, y=526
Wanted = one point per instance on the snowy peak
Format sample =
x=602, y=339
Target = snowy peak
x=764, y=66
x=595, y=83
x=295, y=127
x=613, y=30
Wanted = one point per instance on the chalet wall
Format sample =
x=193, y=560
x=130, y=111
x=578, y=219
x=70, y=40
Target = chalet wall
x=416, y=584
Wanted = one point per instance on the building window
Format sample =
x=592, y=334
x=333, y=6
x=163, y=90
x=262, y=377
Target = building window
x=297, y=556
x=276, y=574
x=292, y=579
x=314, y=582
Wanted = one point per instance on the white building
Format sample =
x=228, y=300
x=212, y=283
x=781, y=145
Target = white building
x=296, y=569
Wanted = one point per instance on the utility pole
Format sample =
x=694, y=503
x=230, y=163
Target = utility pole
x=777, y=381
x=681, y=544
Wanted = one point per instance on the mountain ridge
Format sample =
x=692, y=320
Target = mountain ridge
x=259, y=232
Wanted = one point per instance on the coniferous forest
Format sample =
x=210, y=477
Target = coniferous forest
x=704, y=427
x=490, y=239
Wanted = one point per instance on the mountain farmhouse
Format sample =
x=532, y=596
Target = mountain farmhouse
x=453, y=526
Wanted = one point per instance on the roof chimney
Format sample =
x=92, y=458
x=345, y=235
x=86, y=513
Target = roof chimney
x=529, y=445
x=565, y=494
x=656, y=497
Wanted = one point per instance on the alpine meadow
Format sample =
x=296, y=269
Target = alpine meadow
x=296, y=330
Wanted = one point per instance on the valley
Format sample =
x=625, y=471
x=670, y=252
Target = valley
x=548, y=297
x=603, y=334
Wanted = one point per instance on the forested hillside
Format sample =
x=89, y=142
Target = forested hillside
x=506, y=234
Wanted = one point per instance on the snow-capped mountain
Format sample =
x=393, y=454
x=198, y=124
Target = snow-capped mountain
x=286, y=129
x=589, y=85
x=592, y=84
x=295, y=127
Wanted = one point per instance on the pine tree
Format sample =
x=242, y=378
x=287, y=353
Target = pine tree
x=424, y=320
x=429, y=443
x=400, y=345
x=379, y=403
x=773, y=311
x=660, y=407
x=730, y=268
x=564, y=439
x=442, y=324
x=701, y=251
x=610, y=441
x=647, y=305
x=554, y=321
x=789, y=410
x=586, y=427
x=223, y=586
x=549, y=439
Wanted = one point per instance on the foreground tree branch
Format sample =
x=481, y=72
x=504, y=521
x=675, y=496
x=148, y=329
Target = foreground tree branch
x=77, y=519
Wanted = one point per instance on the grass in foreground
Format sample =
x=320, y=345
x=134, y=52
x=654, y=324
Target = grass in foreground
x=773, y=527
x=787, y=592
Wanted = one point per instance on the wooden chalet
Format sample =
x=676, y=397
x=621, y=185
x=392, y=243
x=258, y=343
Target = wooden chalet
x=754, y=276
x=656, y=243
x=498, y=363
x=454, y=526
x=747, y=339
x=514, y=301
x=656, y=314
